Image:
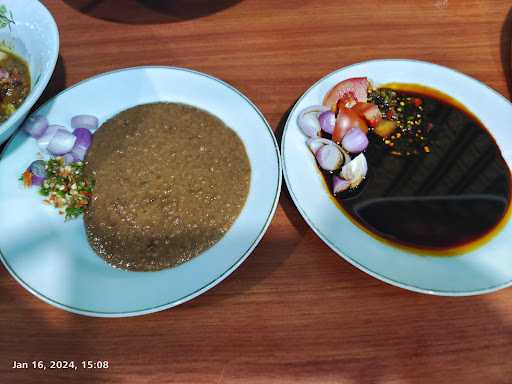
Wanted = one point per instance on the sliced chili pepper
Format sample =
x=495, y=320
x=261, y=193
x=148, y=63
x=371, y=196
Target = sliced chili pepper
x=27, y=178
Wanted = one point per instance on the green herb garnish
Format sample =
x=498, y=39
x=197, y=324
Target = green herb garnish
x=6, y=18
x=66, y=187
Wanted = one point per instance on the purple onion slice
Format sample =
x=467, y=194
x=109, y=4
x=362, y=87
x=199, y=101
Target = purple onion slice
x=339, y=184
x=83, y=138
x=35, y=126
x=308, y=120
x=61, y=143
x=38, y=171
x=355, y=141
x=85, y=121
x=329, y=158
x=44, y=140
x=327, y=121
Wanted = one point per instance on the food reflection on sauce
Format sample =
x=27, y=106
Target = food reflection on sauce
x=451, y=192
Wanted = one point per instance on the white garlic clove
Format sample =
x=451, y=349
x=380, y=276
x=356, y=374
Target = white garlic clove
x=355, y=171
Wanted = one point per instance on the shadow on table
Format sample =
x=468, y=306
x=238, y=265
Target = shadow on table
x=150, y=11
x=273, y=250
x=506, y=50
x=56, y=84
x=286, y=201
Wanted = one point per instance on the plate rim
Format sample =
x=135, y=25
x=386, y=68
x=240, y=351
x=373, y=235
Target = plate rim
x=339, y=252
x=210, y=284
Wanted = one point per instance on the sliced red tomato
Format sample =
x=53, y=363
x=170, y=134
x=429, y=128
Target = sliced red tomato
x=370, y=112
x=356, y=87
x=346, y=120
x=347, y=101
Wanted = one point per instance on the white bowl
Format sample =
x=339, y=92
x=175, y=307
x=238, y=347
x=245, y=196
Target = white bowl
x=35, y=38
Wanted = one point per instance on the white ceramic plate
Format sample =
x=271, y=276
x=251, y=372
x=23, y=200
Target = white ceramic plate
x=485, y=269
x=52, y=258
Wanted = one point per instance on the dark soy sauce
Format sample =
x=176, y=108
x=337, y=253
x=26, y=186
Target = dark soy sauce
x=451, y=197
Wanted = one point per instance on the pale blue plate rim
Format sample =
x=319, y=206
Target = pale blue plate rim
x=351, y=260
x=205, y=287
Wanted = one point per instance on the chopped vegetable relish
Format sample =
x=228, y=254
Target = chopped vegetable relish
x=66, y=187
x=406, y=110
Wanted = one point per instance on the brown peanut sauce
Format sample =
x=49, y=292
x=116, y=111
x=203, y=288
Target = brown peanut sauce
x=171, y=179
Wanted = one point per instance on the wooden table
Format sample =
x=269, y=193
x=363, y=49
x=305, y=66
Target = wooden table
x=294, y=312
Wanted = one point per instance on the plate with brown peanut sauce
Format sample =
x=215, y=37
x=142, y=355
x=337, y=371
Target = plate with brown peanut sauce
x=187, y=176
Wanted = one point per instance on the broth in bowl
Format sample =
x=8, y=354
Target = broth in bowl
x=14, y=83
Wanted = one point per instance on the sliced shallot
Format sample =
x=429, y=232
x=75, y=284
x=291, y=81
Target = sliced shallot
x=38, y=171
x=327, y=121
x=355, y=141
x=83, y=137
x=339, y=184
x=308, y=120
x=315, y=144
x=36, y=126
x=61, y=143
x=85, y=121
x=44, y=140
x=82, y=144
x=329, y=158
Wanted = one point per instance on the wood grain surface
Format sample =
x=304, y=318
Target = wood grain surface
x=294, y=312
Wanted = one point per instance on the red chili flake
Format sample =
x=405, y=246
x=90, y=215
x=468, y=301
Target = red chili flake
x=418, y=102
x=27, y=178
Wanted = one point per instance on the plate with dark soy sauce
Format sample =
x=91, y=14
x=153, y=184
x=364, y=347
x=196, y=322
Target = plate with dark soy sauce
x=402, y=167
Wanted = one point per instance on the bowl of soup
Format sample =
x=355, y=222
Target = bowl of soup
x=29, y=47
